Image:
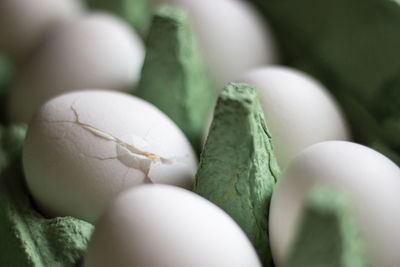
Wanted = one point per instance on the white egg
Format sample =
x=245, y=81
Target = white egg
x=24, y=24
x=298, y=110
x=83, y=148
x=97, y=51
x=231, y=34
x=158, y=225
x=371, y=181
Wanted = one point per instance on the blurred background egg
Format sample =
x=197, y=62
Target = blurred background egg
x=96, y=51
x=24, y=24
x=231, y=34
x=159, y=225
x=299, y=111
x=84, y=148
x=369, y=179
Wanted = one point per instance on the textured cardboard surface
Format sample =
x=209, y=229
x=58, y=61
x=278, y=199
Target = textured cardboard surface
x=27, y=238
x=238, y=168
x=174, y=76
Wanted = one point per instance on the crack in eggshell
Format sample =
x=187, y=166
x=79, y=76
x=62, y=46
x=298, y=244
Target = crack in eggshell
x=134, y=155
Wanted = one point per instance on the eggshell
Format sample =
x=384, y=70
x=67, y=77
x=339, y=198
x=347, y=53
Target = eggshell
x=159, y=225
x=24, y=24
x=84, y=148
x=370, y=180
x=232, y=36
x=299, y=111
x=96, y=51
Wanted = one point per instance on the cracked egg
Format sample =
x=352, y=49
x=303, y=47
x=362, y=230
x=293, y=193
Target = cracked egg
x=84, y=148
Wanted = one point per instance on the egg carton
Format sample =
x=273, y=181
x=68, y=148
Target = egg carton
x=327, y=216
x=357, y=77
x=172, y=56
x=239, y=145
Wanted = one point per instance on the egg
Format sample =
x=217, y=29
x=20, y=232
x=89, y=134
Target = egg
x=24, y=24
x=84, y=148
x=160, y=225
x=299, y=110
x=370, y=180
x=231, y=34
x=96, y=51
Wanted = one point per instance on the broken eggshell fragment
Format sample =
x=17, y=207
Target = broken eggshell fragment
x=84, y=148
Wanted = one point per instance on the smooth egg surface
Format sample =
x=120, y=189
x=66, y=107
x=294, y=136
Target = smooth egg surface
x=96, y=51
x=160, y=225
x=299, y=111
x=84, y=148
x=369, y=179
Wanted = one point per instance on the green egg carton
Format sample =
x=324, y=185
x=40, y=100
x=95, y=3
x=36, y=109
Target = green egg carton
x=327, y=216
x=352, y=49
x=238, y=169
x=27, y=238
x=174, y=76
